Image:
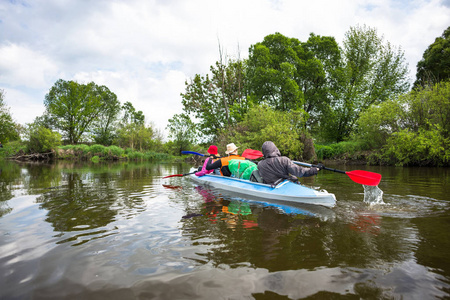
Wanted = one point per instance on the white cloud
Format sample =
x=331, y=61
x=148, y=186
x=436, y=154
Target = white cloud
x=22, y=67
x=144, y=50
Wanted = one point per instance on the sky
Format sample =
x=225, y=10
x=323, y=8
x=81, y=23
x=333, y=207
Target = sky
x=145, y=50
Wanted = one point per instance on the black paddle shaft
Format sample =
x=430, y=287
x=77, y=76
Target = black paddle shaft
x=319, y=167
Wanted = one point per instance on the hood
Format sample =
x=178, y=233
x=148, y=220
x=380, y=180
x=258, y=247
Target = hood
x=270, y=150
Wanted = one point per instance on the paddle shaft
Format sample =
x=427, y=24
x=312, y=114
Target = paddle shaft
x=358, y=176
x=325, y=168
x=179, y=175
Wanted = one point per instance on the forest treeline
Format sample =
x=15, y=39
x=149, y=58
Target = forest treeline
x=315, y=100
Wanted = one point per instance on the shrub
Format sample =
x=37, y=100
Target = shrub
x=11, y=148
x=116, y=151
x=42, y=139
x=422, y=148
x=98, y=149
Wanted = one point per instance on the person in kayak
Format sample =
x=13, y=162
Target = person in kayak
x=223, y=162
x=213, y=156
x=275, y=167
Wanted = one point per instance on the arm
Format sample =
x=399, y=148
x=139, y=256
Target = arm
x=215, y=165
x=301, y=171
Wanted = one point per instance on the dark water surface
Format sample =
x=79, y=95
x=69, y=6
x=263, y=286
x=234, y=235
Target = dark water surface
x=121, y=231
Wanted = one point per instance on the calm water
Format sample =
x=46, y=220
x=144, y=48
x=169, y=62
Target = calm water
x=121, y=231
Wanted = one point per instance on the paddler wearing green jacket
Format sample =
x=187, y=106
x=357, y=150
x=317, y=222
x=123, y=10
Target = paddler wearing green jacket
x=274, y=166
x=223, y=162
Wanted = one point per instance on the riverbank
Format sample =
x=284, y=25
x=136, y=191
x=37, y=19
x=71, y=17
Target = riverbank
x=94, y=153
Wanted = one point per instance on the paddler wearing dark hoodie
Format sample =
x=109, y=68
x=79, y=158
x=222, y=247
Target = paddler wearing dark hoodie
x=274, y=166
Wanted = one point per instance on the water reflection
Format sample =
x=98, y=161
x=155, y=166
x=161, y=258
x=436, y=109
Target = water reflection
x=94, y=231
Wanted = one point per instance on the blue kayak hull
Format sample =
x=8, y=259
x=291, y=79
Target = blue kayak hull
x=286, y=191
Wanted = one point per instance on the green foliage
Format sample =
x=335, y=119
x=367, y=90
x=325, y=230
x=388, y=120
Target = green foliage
x=423, y=148
x=104, y=126
x=12, y=148
x=378, y=123
x=98, y=150
x=429, y=106
x=41, y=139
x=183, y=132
x=131, y=116
x=116, y=151
x=95, y=159
x=219, y=100
x=435, y=63
x=9, y=130
x=137, y=136
x=372, y=72
x=413, y=129
x=273, y=67
x=337, y=150
x=261, y=124
x=74, y=107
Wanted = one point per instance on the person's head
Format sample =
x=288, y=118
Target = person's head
x=270, y=150
x=213, y=151
x=231, y=149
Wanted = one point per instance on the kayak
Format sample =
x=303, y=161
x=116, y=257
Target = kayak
x=285, y=191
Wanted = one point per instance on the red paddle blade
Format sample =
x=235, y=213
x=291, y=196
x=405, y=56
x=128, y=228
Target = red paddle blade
x=252, y=154
x=364, y=177
x=175, y=175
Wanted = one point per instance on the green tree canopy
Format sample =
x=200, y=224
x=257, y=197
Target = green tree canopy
x=372, y=72
x=435, y=63
x=218, y=100
x=273, y=67
x=263, y=123
x=9, y=130
x=413, y=129
x=41, y=139
x=74, y=107
x=105, y=125
x=182, y=131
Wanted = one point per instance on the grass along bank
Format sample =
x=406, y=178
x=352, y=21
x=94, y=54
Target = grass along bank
x=83, y=152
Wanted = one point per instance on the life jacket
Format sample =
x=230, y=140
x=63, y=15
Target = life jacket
x=203, y=170
x=241, y=169
x=226, y=160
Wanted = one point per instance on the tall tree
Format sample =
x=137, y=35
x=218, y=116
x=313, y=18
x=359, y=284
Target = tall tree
x=273, y=67
x=130, y=115
x=290, y=75
x=104, y=127
x=9, y=130
x=74, y=107
x=217, y=100
x=435, y=63
x=182, y=131
x=373, y=72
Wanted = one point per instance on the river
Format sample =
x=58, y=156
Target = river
x=73, y=230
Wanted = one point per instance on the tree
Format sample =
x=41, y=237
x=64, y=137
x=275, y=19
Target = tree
x=130, y=115
x=104, y=127
x=74, y=107
x=182, y=131
x=413, y=129
x=218, y=100
x=435, y=63
x=9, y=130
x=290, y=75
x=41, y=139
x=373, y=72
x=273, y=67
x=263, y=123
x=135, y=136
